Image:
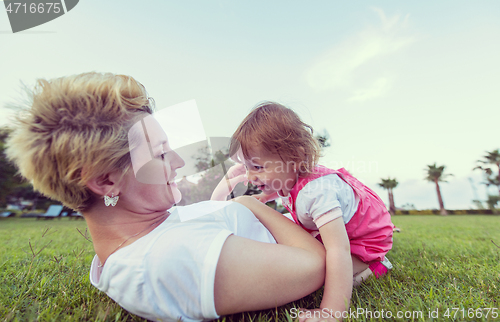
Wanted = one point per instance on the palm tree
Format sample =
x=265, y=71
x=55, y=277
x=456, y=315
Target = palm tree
x=492, y=201
x=492, y=158
x=436, y=174
x=323, y=139
x=389, y=184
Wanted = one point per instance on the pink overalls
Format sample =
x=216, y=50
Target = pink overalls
x=369, y=230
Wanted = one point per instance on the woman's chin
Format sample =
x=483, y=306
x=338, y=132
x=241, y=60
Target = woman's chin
x=176, y=194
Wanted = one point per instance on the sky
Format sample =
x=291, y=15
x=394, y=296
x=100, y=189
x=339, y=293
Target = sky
x=397, y=85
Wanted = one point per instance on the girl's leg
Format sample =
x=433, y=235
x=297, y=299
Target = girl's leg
x=357, y=265
x=360, y=270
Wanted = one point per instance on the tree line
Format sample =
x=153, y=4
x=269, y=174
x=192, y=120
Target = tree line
x=211, y=166
x=436, y=174
x=13, y=189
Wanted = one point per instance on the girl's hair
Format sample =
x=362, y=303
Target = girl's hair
x=278, y=130
x=75, y=129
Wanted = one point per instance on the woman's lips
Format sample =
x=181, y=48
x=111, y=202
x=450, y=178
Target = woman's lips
x=171, y=182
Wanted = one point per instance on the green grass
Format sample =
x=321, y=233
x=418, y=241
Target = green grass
x=440, y=263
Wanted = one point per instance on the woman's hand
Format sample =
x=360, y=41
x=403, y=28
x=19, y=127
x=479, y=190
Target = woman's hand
x=235, y=175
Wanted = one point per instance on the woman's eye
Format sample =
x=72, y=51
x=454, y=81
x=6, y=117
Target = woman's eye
x=258, y=167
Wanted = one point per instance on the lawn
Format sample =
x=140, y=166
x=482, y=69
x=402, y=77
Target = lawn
x=445, y=269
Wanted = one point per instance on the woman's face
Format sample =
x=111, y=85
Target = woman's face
x=150, y=183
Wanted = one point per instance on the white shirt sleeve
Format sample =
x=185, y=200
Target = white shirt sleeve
x=327, y=217
x=325, y=199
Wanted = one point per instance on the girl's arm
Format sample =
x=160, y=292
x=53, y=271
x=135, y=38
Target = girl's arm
x=338, y=280
x=235, y=175
x=253, y=275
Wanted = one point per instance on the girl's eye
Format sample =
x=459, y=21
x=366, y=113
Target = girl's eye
x=258, y=167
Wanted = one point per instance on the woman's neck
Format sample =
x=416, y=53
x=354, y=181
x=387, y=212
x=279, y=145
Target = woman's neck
x=114, y=228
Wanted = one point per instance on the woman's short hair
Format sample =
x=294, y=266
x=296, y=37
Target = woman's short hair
x=74, y=129
x=278, y=130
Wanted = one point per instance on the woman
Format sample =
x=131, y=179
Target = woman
x=91, y=142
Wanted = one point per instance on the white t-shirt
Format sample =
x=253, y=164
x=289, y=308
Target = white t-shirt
x=170, y=272
x=323, y=200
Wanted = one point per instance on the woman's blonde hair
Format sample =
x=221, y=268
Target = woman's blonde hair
x=75, y=129
x=278, y=130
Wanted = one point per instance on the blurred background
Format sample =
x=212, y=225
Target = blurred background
x=394, y=88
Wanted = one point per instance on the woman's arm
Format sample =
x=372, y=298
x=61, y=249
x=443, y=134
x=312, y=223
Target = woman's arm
x=284, y=231
x=253, y=275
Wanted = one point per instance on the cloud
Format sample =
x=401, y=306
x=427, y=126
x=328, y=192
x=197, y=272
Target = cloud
x=338, y=69
x=378, y=88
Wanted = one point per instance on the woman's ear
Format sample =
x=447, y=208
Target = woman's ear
x=105, y=184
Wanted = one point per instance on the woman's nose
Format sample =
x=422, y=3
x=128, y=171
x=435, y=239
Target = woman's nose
x=177, y=162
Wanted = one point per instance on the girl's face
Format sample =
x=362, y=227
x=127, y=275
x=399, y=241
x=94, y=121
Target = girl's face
x=270, y=173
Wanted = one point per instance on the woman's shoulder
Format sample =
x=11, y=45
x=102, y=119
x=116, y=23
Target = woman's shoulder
x=181, y=255
x=203, y=208
x=187, y=228
x=188, y=233
x=230, y=215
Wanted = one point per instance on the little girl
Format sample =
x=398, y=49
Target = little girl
x=277, y=152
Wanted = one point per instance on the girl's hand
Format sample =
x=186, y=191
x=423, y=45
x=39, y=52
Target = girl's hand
x=235, y=175
x=236, y=171
x=262, y=197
